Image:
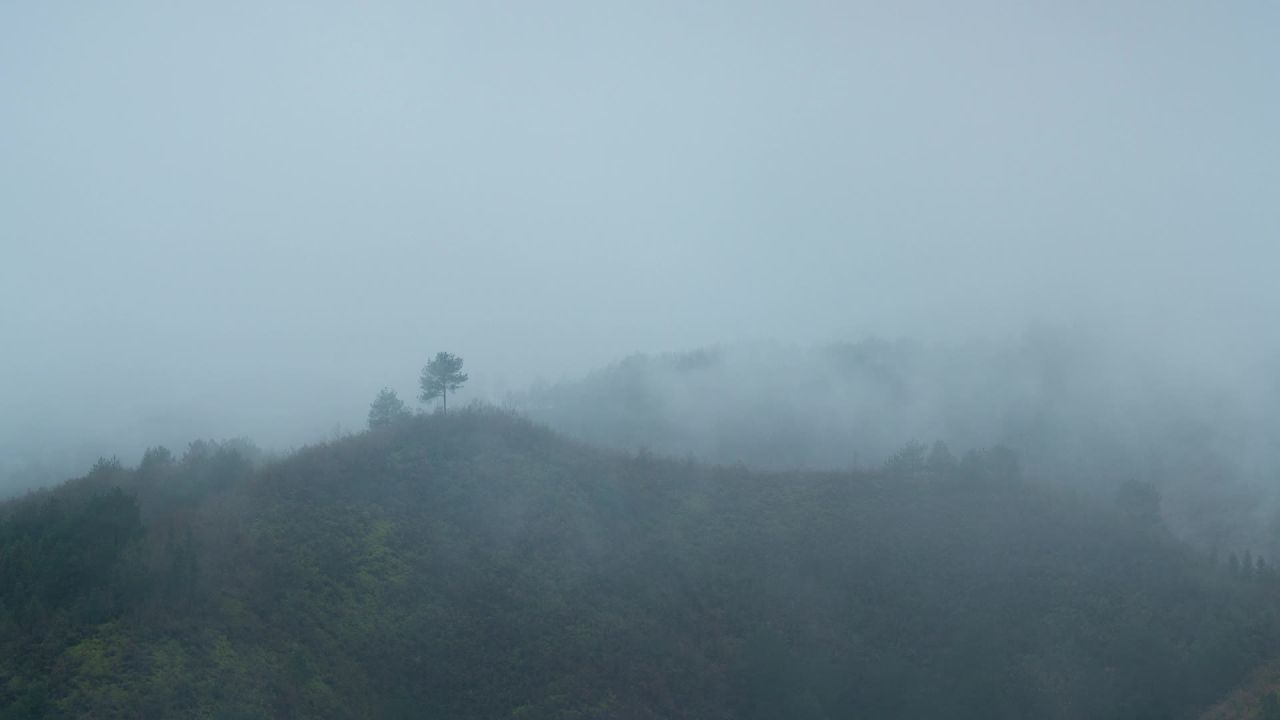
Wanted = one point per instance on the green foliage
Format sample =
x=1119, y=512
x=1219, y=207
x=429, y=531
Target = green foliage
x=1270, y=707
x=155, y=458
x=387, y=408
x=441, y=376
x=476, y=565
x=62, y=555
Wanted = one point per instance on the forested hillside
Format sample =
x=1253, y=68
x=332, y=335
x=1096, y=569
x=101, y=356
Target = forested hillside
x=1079, y=412
x=477, y=565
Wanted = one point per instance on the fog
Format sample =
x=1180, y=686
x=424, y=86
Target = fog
x=244, y=219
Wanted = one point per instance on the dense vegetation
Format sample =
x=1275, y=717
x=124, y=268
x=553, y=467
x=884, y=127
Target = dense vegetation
x=480, y=566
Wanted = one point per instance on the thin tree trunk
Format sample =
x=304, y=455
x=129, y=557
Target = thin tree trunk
x=444, y=394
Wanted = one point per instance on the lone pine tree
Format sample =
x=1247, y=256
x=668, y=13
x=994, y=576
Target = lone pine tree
x=441, y=376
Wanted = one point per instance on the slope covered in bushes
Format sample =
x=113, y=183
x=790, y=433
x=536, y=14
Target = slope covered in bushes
x=477, y=565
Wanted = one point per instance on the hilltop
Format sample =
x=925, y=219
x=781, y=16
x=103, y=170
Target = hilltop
x=479, y=565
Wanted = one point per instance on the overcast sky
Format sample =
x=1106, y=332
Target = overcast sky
x=246, y=217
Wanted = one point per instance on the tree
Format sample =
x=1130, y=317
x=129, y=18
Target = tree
x=907, y=461
x=994, y=465
x=386, y=409
x=1140, y=501
x=940, y=459
x=155, y=457
x=441, y=376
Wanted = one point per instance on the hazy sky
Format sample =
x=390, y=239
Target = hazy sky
x=246, y=217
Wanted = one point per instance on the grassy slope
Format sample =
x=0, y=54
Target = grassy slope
x=479, y=566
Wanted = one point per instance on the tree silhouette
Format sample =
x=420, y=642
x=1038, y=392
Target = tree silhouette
x=386, y=409
x=940, y=459
x=441, y=376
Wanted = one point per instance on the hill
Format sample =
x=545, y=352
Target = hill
x=481, y=566
x=1080, y=412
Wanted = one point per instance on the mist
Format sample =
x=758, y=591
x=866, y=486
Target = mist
x=244, y=220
